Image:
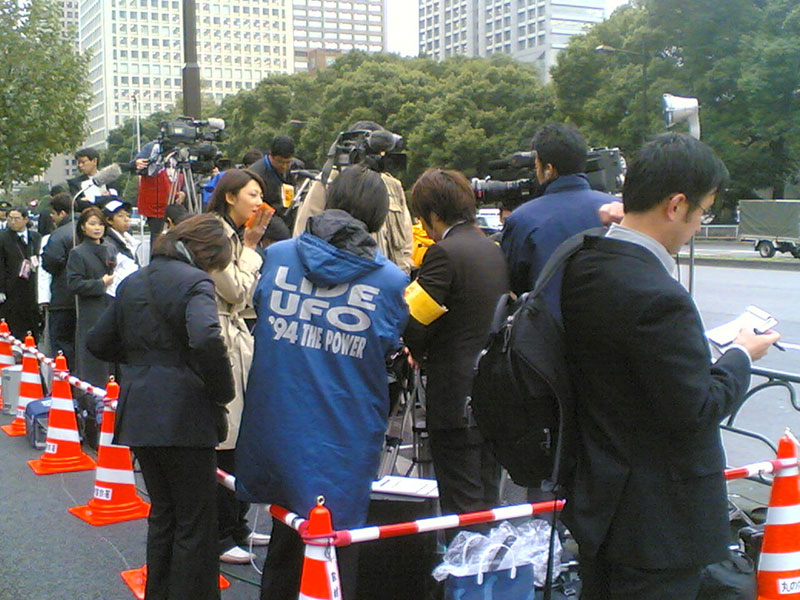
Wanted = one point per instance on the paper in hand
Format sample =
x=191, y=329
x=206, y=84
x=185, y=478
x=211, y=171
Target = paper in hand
x=752, y=319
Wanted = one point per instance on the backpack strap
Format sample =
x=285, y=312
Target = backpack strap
x=561, y=255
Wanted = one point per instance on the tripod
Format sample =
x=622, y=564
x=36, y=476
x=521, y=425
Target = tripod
x=181, y=160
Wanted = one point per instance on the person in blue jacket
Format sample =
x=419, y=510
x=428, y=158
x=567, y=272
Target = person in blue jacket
x=330, y=309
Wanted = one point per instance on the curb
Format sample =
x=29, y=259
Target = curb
x=742, y=263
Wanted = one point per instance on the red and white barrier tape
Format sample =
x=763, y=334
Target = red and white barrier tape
x=368, y=534
x=95, y=391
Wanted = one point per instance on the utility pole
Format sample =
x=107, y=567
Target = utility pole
x=191, y=70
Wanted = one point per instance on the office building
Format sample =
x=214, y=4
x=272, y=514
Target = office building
x=137, y=52
x=336, y=26
x=530, y=30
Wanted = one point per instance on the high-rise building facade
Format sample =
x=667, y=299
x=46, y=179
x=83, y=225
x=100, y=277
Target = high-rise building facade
x=530, y=30
x=337, y=26
x=137, y=52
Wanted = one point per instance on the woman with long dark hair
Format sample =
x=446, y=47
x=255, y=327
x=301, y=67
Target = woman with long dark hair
x=164, y=331
x=236, y=198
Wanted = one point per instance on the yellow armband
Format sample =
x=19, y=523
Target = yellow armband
x=422, y=307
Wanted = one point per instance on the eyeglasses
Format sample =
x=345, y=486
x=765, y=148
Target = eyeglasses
x=708, y=215
x=14, y=218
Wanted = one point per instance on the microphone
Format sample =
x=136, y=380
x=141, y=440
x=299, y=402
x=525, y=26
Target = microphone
x=107, y=175
x=382, y=141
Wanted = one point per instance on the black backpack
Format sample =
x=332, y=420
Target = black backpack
x=522, y=397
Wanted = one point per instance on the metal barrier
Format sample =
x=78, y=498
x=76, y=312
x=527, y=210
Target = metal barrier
x=774, y=379
x=718, y=232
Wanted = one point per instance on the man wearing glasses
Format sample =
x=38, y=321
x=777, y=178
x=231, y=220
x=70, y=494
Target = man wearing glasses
x=19, y=259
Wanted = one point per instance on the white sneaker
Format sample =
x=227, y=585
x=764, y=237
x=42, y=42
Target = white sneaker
x=237, y=556
x=257, y=539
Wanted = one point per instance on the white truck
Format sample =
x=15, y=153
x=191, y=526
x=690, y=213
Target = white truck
x=771, y=225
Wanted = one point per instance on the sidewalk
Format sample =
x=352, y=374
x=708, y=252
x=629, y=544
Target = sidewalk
x=48, y=554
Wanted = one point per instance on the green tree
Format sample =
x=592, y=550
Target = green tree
x=44, y=95
x=741, y=63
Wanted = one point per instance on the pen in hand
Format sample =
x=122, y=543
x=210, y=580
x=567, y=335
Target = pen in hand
x=776, y=344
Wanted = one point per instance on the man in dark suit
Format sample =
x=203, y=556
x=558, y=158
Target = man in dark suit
x=19, y=259
x=567, y=206
x=275, y=170
x=647, y=505
x=452, y=303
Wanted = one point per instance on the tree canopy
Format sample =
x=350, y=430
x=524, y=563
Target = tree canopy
x=741, y=63
x=44, y=95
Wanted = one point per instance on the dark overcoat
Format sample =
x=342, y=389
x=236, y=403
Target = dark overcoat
x=20, y=310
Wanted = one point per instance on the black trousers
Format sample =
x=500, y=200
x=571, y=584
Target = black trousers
x=466, y=471
x=182, y=559
x=284, y=565
x=603, y=580
x=231, y=513
x=62, y=333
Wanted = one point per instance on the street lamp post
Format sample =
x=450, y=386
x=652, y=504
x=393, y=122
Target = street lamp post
x=606, y=49
x=191, y=70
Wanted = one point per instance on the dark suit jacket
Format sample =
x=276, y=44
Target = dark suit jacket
x=20, y=308
x=466, y=273
x=175, y=365
x=535, y=229
x=280, y=229
x=649, y=487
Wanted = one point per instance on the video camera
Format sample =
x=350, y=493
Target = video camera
x=192, y=141
x=509, y=190
x=380, y=150
x=605, y=169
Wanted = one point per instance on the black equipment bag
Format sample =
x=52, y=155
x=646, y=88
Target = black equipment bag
x=522, y=396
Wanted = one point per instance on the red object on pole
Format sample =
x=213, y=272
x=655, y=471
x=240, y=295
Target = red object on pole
x=320, y=579
x=779, y=562
x=30, y=387
x=63, y=452
x=115, y=498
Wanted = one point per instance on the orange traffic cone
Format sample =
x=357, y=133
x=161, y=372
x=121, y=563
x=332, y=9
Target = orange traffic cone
x=320, y=580
x=137, y=578
x=779, y=563
x=30, y=388
x=62, y=452
x=6, y=354
x=115, y=498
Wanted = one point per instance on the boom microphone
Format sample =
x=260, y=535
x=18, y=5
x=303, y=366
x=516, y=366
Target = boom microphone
x=107, y=175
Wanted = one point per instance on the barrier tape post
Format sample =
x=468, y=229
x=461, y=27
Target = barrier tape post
x=30, y=388
x=779, y=562
x=115, y=499
x=320, y=579
x=6, y=354
x=63, y=452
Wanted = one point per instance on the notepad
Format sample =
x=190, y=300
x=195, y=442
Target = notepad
x=753, y=319
x=406, y=486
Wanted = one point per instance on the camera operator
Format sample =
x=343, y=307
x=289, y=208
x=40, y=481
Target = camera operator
x=154, y=188
x=275, y=170
x=394, y=238
x=87, y=186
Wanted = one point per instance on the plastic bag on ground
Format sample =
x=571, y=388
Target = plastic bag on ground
x=504, y=547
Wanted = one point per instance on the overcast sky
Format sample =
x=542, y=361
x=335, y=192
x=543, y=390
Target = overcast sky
x=403, y=26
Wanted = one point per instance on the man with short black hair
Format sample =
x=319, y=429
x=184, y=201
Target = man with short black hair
x=19, y=259
x=275, y=170
x=567, y=206
x=647, y=503
x=4, y=208
x=61, y=311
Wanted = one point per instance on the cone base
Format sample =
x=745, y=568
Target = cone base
x=14, y=429
x=136, y=578
x=50, y=466
x=112, y=514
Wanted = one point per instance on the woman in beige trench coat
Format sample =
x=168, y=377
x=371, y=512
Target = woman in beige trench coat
x=236, y=198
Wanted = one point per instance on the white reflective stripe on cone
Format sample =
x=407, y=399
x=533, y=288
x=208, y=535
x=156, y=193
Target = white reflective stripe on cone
x=122, y=476
x=788, y=472
x=107, y=439
x=777, y=562
x=30, y=378
x=783, y=515
x=63, y=435
x=62, y=404
x=316, y=552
